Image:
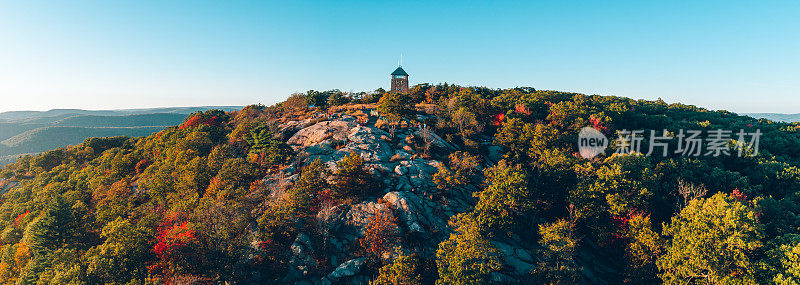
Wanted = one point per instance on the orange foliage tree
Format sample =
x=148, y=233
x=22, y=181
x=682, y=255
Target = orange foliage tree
x=380, y=235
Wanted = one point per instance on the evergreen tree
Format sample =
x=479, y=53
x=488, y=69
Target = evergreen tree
x=54, y=228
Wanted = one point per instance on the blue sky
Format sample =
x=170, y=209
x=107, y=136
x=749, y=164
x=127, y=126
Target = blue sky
x=742, y=56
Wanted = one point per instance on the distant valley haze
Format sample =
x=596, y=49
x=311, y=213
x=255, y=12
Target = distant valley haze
x=23, y=132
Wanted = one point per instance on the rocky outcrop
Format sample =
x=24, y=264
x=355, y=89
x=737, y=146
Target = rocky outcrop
x=436, y=140
x=332, y=140
x=348, y=269
x=417, y=214
x=301, y=264
x=5, y=185
x=421, y=210
x=518, y=259
x=327, y=131
x=289, y=128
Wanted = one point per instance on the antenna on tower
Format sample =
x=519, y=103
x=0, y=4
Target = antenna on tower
x=401, y=60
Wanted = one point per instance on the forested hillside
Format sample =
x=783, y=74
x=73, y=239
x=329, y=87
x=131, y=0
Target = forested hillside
x=445, y=185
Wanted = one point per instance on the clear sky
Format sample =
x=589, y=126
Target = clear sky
x=742, y=56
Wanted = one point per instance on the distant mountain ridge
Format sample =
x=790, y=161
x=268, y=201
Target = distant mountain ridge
x=46, y=138
x=57, y=114
x=36, y=131
x=777, y=117
x=157, y=119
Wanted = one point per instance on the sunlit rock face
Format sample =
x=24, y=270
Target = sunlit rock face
x=407, y=189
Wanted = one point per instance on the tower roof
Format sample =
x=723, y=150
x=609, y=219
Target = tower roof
x=399, y=71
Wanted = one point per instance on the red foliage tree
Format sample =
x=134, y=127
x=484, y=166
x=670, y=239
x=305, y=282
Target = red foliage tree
x=738, y=195
x=21, y=217
x=173, y=241
x=199, y=120
x=522, y=109
x=497, y=119
x=598, y=124
x=142, y=165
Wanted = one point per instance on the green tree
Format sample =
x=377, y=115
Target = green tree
x=557, y=265
x=122, y=256
x=403, y=270
x=467, y=257
x=54, y=228
x=317, y=99
x=264, y=148
x=337, y=98
x=351, y=179
x=395, y=107
x=505, y=200
x=712, y=242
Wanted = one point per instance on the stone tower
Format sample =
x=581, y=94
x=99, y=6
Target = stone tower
x=399, y=80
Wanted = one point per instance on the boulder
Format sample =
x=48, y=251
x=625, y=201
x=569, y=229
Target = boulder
x=6, y=185
x=335, y=131
x=370, y=143
x=332, y=140
x=495, y=153
x=360, y=213
x=401, y=155
x=413, y=211
x=515, y=257
x=301, y=264
x=417, y=173
x=289, y=128
x=437, y=141
x=348, y=269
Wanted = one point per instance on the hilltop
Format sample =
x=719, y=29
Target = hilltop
x=444, y=185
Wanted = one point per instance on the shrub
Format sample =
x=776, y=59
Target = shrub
x=380, y=235
x=395, y=107
x=351, y=179
x=557, y=265
x=403, y=270
x=467, y=257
